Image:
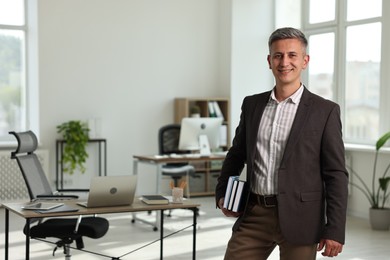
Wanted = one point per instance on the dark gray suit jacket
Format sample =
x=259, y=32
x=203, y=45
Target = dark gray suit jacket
x=312, y=189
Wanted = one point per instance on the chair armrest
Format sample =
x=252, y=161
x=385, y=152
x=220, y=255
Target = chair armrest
x=76, y=229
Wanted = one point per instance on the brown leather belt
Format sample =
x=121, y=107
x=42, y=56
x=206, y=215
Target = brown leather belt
x=268, y=201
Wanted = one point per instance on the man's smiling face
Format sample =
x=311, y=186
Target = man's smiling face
x=287, y=59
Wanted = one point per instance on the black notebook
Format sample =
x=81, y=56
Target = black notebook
x=154, y=199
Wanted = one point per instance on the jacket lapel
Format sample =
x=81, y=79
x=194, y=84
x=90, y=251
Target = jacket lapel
x=260, y=105
x=298, y=124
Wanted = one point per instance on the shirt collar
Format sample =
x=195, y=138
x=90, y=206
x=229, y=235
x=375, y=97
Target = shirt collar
x=295, y=97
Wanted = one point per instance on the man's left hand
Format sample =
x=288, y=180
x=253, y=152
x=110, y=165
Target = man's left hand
x=332, y=248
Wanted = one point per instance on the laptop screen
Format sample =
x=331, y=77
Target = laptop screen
x=107, y=191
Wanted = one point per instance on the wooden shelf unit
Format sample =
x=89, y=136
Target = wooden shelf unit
x=206, y=172
x=183, y=106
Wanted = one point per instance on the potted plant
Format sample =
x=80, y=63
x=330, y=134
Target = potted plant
x=195, y=111
x=378, y=193
x=75, y=134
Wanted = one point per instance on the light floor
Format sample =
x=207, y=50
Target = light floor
x=213, y=232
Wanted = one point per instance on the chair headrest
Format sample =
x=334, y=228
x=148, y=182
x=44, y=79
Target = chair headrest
x=27, y=142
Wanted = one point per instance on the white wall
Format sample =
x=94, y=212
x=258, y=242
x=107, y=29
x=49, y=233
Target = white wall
x=252, y=23
x=124, y=62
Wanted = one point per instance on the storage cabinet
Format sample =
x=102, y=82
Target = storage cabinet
x=207, y=172
x=205, y=179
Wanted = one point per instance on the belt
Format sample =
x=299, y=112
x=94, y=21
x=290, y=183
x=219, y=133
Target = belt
x=268, y=201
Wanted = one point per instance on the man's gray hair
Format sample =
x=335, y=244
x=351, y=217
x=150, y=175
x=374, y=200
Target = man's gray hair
x=287, y=33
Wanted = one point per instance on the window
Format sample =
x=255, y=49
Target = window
x=345, y=40
x=322, y=11
x=321, y=50
x=15, y=110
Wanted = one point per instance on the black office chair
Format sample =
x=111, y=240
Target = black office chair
x=66, y=230
x=168, y=140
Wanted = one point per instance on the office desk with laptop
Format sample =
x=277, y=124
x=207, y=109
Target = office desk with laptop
x=108, y=194
x=136, y=206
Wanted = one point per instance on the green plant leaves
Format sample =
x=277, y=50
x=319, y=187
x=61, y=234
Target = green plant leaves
x=382, y=140
x=75, y=134
x=384, y=183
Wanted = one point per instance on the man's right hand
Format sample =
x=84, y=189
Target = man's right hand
x=227, y=213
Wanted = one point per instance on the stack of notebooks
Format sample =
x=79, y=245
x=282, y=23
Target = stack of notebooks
x=235, y=193
x=154, y=199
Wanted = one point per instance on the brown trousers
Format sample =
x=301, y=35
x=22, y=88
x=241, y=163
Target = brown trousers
x=259, y=233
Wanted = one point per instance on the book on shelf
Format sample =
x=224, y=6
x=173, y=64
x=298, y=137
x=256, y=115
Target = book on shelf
x=217, y=110
x=154, y=199
x=235, y=194
x=211, y=109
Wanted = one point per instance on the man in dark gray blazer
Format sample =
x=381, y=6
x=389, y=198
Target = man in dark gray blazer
x=291, y=142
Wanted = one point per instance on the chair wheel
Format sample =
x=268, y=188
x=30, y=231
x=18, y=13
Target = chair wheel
x=133, y=221
x=155, y=228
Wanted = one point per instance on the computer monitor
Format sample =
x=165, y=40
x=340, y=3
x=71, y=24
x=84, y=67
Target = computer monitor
x=200, y=133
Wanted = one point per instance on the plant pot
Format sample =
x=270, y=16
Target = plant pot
x=380, y=219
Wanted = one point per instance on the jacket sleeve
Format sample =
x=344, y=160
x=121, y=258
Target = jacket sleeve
x=335, y=178
x=235, y=158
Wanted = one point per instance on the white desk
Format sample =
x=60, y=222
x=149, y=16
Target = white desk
x=137, y=206
x=159, y=161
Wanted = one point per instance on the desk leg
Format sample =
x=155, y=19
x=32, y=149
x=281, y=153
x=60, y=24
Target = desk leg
x=100, y=158
x=156, y=223
x=105, y=158
x=135, y=167
x=158, y=191
x=135, y=172
x=161, y=233
x=6, y=233
x=195, y=210
x=28, y=238
x=159, y=177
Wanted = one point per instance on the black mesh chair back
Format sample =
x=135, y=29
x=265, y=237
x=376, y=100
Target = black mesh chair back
x=168, y=139
x=168, y=143
x=38, y=186
x=33, y=174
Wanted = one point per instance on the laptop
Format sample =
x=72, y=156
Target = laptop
x=108, y=191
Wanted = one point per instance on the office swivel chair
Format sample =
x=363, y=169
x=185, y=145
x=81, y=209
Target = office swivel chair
x=168, y=140
x=66, y=230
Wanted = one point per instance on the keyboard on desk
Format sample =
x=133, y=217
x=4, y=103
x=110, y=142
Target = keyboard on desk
x=184, y=155
x=189, y=155
x=197, y=155
x=221, y=153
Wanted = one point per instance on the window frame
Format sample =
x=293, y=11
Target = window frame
x=339, y=26
x=30, y=63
